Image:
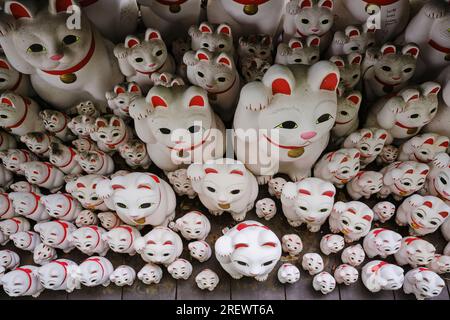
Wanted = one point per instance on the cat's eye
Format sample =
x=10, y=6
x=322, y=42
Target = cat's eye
x=443, y=180
x=325, y=21
x=94, y=198
x=407, y=70
x=251, y=50
x=242, y=263
x=158, y=53
x=194, y=129
x=145, y=205
x=323, y=118
x=80, y=197
x=138, y=60
x=70, y=39
x=164, y=130
x=433, y=110
x=386, y=68
x=121, y=205
x=364, y=148
x=221, y=79
x=236, y=191
x=370, y=44
x=355, y=76
x=414, y=116
x=211, y=189
x=2, y=80
x=358, y=228
x=287, y=125
x=35, y=48
x=303, y=208
x=200, y=74
x=268, y=263
x=305, y=21
x=102, y=136
x=298, y=60
x=323, y=210
x=221, y=46
x=115, y=134
x=354, y=48
x=205, y=45
x=344, y=113
x=313, y=57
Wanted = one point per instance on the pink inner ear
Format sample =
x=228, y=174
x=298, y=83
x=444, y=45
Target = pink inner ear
x=411, y=171
x=3, y=64
x=153, y=35
x=210, y=170
x=154, y=178
x=119, y=90
x=429, y=141
x=202, y=56
x=428, y=204
x=19, y=11
x=367, y=217
x=240, y=245
x=315, y=42
x=281, y=86
x=413, y=51
x=328, y=194
x=328, y=4
x=305, y=4
x=132, y=42
x=117, y=186
x=197, y=101
x=345, y=159
x=206, y=29
x=339, y=63
x=101, y=124
x=80, y=185
x=443, y=214
x=158, y=102
x=269, y=244
x=134, y=88
x=390, y=49
x=295, y=45
x=144, y=186
x=330, y=82
x=62, y=5
x=351, y=210
x=435, y=90
x=239, y=172
x=304, y=191
x=414, y=97
x=225, y=61
x=444, y=144
x=424, y=172
x=368, y=135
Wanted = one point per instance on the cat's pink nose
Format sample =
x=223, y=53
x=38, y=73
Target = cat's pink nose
x=315, y=30
x=308, y=135
x=57, y=57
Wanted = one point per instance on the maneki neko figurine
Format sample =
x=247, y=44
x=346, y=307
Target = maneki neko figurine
x=61, y=206
x=13, y=80
x=298, y=51
x=55, y=234
x=110, y=133
x=119, y=100
x=347, y=120
x=22, y=281
x=29, y=205
x=84, y=189
x=64, y=157
x=65, y=74
x=59, y=275
x=349, y=69
x=14, y=158
x=369, y=142
x=437, y=182
x=424, y=147
x=7, y=141
x=378, y=275
x=292, y=110
x=205, y=36
x=354, y=39
x=43, y=174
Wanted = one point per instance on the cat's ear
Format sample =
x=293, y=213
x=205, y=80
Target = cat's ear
x=100, y=123
x=409, y=95
x=131, y=41
x=323, y=75
x=225, y=60
x=338, y=61
x=152, y=34
x=279, y=79
x=195, y=97
x=60, y=6
x=325, y=4
x=134, y=87
x=118, y=89
x=388, y=49
x=116, y=122
x=305, y=4
x=156, y=100
x=313, y=41
x=295, y=43
x=224, y=29
x=355, y=58
x=411, y=49
x=267, y=40
x=430, y=88
x=355, y=98
x=202, y=55
x=352, y=31
x=205, y=28
x=18, y=10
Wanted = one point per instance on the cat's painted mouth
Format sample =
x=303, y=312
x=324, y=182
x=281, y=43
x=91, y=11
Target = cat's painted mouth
x=345, y=122
x=286, y=146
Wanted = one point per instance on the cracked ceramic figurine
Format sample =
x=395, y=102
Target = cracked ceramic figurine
x=388, y=154
x=181, y=183
x=110, y=133
x=135, y=154
x=18, y=114
x=95, y=162
x=61, y=206
x=403, y=178
x=338, y=167
x=369, y=142
x=423, y=214
x=346, y=274
x=161, y=246
x=224, y=185
x=365, y=184
x=275, y=186
x=109, y=220
x=14, y=225
x=200, y=250
x=95, y=271
x=86, y=218
x=331, y=243
x=353, y=39
x=7, y=141
x=39, y=143
x=293, y=111
x=248, y=17
x=6, y=208
x=381, y=242
x=22, y=281
x=9, y=259
x=120, y=98
x=43, y=174
x=193, y=225
x=56, y=122
x=150, y=273
x=179, y=126
x=139, y=198
x=180, y=269
x=305, y=18
x=324, y=282
x=82, y=125
x=60, y=77
x=24, y=186
x=347, y=120
x=29, y=205
x=423, y=283
x=121, y=239
x=266, y=208
x=218, y=75
x=207, y=279
x=249, y=249
x=89, y=240
x=349, y=69
x=423, y=147
x=13, y=80
x=172, y=18
x=63, y=157
x=389, y=70
x=140, y=58
x=84, y=190
x=415, y=252
x=43, y=254
x=253, y=46
x=204, y=36
x=292, y=244
x=383, y=211
x=55, y=234
x=288, y=273
x=298, y=51
x=378, y=275
x=309, y=201
x=59, y=275
x=25, y=240
x=123, y=276
x=440, y=264
x=353, y=219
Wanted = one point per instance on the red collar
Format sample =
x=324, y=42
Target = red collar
x=438, y=47
x=98, y=235
x=398, y=124
x=86, y=3
x=127, y=228
x=36, y=205
x=97, y=260
x=78, y=66
x=17, y=224
x=64, y=265
x=381, y=2
x=69, y=198
x=149, y=73
x=377, y=232
x=19, y=123
x=48, y=165
x=30, y=235
x=9, y=204
x=64, y=226
x=26, y=155
x=28, y=273
x=72, y=154
x=113, y=145
x=250, y=2
x=64, y=126
x=170, y=3
x=220, y=92
x=17, y=83
x=377, y=267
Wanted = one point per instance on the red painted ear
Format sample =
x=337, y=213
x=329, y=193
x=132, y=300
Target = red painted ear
x=315, y=42
x=328, y=194
x=388, y=49
x=100, y=123
x=304, y=191
x=269, y=244
x=443, y=214
x=413, y=97
x=429, y=141
x=17, y=10
x=131, y=42
x=435, y=90
x=117, y=186
x=411, y=171
x=413, y=51
x=339, y=63
x=239, y=172
x=424, y=172
x=345, y=159
x=80, y=185
x=153, y=35
x=305, y=4
x=94, y=186
x=7, y=101
x=201, y=56
x=444, y=144
x=225, y=60
x=240, y=245
x=295, y=44
x=353, y=33
x=4, y=65
x=197, y=101
x=428, y=204
x=168, y=243
x=63, y=5
x=224, y=29
x=327, y=4
x=383, y=136
x=155, y=178
x=367, y=217
x=330, y=82
x=151, y=242
x=368, y=135
x=144, y=186
x=119, y=90
x=356, y=60
x=157, y=101
x=281, y=86
x=210, y=170
x=134, y=88
x=204, y=28
x=116, y=123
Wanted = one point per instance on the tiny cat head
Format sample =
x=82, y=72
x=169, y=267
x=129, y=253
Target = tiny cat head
x=299, y=51
x=349, y=69
x=256, y=46
x=205, y=37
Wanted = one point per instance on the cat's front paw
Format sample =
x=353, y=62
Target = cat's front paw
x=313, y=228
x=238, y=216
x=140, y=109
x=261, y=278
x=189, y=58
x=339, y=38
x=434, y=10
x=292, y=7
x=295, y=223
x=263, y=179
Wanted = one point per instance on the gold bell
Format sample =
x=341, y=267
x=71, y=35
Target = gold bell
x=175, y=8
x=295, y=153
x=250, y=9
x=68, y=78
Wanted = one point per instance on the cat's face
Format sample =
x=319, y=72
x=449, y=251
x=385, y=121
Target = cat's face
x=25, y=202
x=259, y=46
x=314, y=19
x=12, y=108
x=12, y=160
x=43, y=254
x=344, y=164
x=161, y=246
x=312, y=262
x=355, y=219
x=120, y=239
x=87, y=108
x=300, y=52
x=150, y=273
x=36, y=171
x=180, y=269
x=411, y=177
x=389, y=153
x=83, y=144
x=8, y=76
x=385, y=210
x=91, y=161
x=358, y=41
x=24, y=239
x=205, y=37
x=428, y=216
x=82, y=125
x=441, y=183
x=108, y=219
x=86, y=218
x=83, y=189
x=315, y=199
x=134, y=151
x=37, y=142
x=396, y=67
x=348, y=108
x=371, y=142
x=86, y=239
x=52, y=119
x=180, y=181
x=427, y=146
x=370, y=181
x=57, y=205
x=349, y=70
x=333, y=242
x=193, y=225
x=199, y=250
x=110, y=131
x=123, y=97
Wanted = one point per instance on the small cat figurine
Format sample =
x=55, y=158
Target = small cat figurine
x=57, y=122
x=120, y=98
x=256, y=46
x=205, y=37
x=217, y=74
x=82, y=125
x=43, y=174
x=86, y=108
x=349, y=69
x=369, y=142
x=95, y=162
x=39, y=142
x=64, y=158
x=299, y=51
x=347, y=120
x=111, y=132
x=13, y=158
x=84, y=144
x=12, y=80
x=135, y=154
x=64, y=66
x=84, y=190
x=140, y=58
x=355, y=39
x=181, y=183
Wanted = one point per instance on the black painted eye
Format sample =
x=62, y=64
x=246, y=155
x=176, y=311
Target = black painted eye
x=102, y=136
x=370, y=44
x=386, y=68
x=407, y=184
x=206, y=45
x=323, y=118
x=236, y=191
x=323, y=210
x=433, y=223
x=94, y=198
x=344, y=113
x=358, y=228
x=200, y=74
x=145, y=205
x=303, y=208
x=305, y=21
x=194, y=129
x=345, y=222
x=313, y=57
x=80, y=197
x=121, y=205
x=268, y=263
x=287, y=125
x=2, y=80
x=138, y=60
x=298, y=60
x=355, y=76
x=242, y=263
x=325, y=21
x=414, y=116
x=36, y=47
x=433, y=110
x=221, y=79
x=210, y=189
x=354, y=48
x=115, y=134
x=221, y=46
x=407, y=70
x=164, y=130
x=443, y=180
x=364, y=148
x=70, y=39
x=158, y=53
x=251, y=50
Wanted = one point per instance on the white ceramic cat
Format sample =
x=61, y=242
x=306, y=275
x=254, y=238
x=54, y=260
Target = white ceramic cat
x=388, y=154
x=121, y=239
x=275, y=186
x=423, y=214
x=423, y=283
x=140, y=58
x=109, y=220
x=43, y=254
x=7, y=141
x=288, y=273
x=207, y=279
x=57, y=122
x=14, y=225
x=292, y=111
x=200, y=250
x=64, y=158
x=181, y=183
x=353, y=255
x=6, y=207
x=178, y=126
x=346, y=274
x=266, y=208
x=110, y=133
x=22, y=281
x=89, y=240
x=123, y=276
x=39, y=143
x=349, y=69
x=324, y=282
x=59, y=275
x=193, y=225
x=150, y=273
x=354, y=39
x=55, y=234
x=383, y=211
x=249, y=249
x=12, y=80
x=309, y=201
x=139, y=198
x=86, y=218
x=298, y=51
x=382, y=242
x=331, y=243
x=253, y=69
x=120, y=98
x=95, y=162
x=378, y=275
x=369, y=142
x=204, y=36
x=353, y=219
x=82, y=125
x=64, y=67
x=347, y=119
x=313, y=263
x=29, y=205
x=415, y=252
x=43, y=174
x=180, y=269
x=438, y=178
x=18, y=114
x=95, y=271
x=423, y=147
x=25, y=240
x=365, y=184
x=9, y=259
x=224, y=185
x=440, y=264
x=135, y=154
x=84, y=144
x=84, y=190
x=292, y=244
